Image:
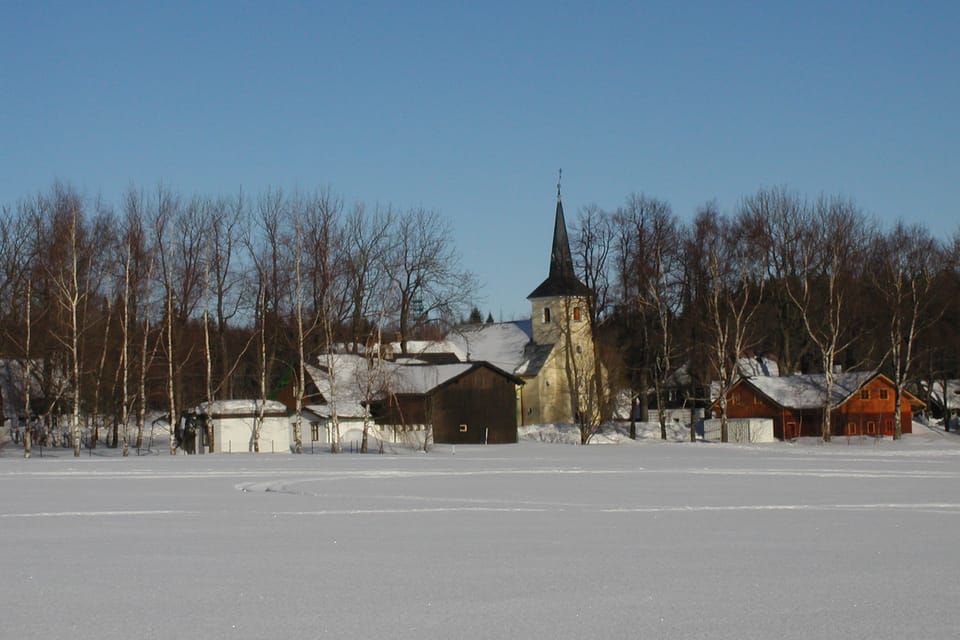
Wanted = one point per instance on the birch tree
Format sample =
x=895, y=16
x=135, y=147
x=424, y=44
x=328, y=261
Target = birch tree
x=425, y=272
x=830, y=251
x=906, y=262
x=734, y=293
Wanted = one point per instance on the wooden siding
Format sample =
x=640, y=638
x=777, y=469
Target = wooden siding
x=479, y=405
x=868, y=411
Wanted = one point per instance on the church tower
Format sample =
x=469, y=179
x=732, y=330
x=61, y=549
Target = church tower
x=560, y=327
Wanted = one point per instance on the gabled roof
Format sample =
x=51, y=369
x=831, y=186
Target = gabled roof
x=351, y=377
x=562, y=280
x=807, y=391
x=500, y=344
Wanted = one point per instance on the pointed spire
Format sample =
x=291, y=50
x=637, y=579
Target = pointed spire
x=562, y=280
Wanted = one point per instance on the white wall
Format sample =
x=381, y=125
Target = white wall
x=234, y=435
x=746, y=430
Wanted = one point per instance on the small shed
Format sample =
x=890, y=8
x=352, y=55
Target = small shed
x=743, y=430
x=233, y=424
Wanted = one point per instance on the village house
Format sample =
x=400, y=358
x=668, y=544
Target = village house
x=863, y=404
x=229, y=426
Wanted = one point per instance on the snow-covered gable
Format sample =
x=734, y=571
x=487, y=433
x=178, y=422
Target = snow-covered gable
x=758, y=366
x=807, y=391
x=352, y=377
x=501, y=344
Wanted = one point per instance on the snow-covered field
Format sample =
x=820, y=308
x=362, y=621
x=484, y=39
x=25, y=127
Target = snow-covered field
x=641, y=540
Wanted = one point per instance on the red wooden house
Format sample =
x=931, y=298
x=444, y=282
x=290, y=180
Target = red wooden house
x=863, y=404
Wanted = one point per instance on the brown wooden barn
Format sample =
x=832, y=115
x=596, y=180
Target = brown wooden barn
x=863, y=404
x=465, y=403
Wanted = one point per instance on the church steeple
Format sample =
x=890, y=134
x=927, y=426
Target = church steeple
x=562, y=280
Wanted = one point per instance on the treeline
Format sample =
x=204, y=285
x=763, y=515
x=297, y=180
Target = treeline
x=817, y=284
x=165, y=301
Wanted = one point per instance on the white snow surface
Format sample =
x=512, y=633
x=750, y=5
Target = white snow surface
x=853, y=539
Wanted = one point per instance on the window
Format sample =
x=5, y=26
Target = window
x=756, y=400
x=871, y=427
x=546, y=315
x=884, y=394
x=864, y=394
x=579, y=349
x=577, y=315
x=315, y=432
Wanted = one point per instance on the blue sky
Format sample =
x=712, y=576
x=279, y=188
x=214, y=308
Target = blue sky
x=470, y=108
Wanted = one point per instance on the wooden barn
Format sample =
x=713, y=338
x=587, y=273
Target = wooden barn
x=465, y=403
x=863, y=404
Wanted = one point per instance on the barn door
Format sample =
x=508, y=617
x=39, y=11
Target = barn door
x=790, y=430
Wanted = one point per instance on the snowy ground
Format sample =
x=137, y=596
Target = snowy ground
x=646, y=540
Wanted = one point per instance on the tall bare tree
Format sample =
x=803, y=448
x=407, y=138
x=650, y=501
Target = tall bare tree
x=734, y=293
x=425, y=272
x=831, y=250
x=905, y=264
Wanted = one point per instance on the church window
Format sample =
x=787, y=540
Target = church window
x=546, y=315
x=577, y=315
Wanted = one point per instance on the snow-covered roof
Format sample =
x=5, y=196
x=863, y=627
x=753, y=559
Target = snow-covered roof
x=501, y=344
x=953, y=393
x=352, y=377
x=534, y=357
x=241, y=407
x=807, y=391
x=419, y=347
x=422, y=379
x=760, y=365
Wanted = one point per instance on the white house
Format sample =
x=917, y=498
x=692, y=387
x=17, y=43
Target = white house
x=233, y=423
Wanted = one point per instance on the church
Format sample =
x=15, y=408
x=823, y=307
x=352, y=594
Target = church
x=553, y=351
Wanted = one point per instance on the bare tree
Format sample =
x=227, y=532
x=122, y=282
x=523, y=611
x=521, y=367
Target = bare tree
x=906, y=262
x=425, y=273
x=592, y=252
x=774, y=220
x=830, y=250
x=266, y=249
x=651, y=278
x=366, y=238
x=734, y=293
